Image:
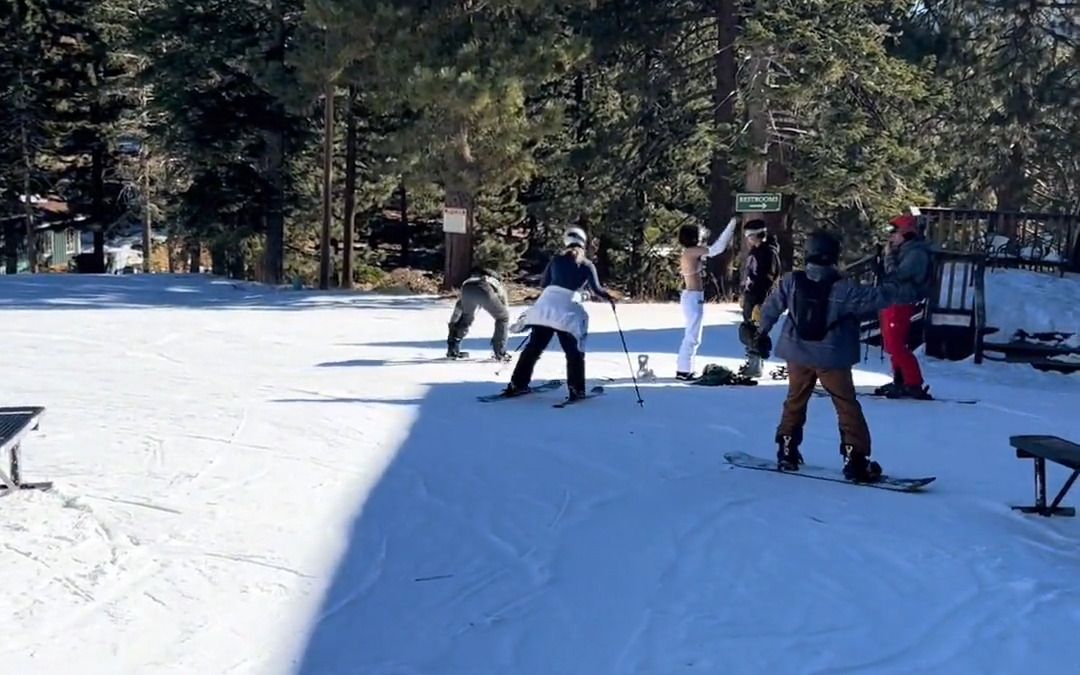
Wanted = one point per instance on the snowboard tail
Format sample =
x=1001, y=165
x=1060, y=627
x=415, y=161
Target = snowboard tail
x=886, y=482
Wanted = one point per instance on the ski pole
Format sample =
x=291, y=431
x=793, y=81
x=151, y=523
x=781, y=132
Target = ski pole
x=516, y=349
x=627, y=352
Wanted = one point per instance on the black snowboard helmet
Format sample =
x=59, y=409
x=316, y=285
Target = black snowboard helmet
x=689, y=235
x=822, y=248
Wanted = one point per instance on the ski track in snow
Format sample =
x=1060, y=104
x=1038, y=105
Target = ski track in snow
x=258, y=481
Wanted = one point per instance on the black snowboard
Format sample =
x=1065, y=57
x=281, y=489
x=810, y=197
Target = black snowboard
x=886, y=482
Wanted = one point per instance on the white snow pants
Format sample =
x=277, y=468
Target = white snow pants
x=693, y=307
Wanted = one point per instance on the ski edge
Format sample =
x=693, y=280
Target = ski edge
x=545, y=386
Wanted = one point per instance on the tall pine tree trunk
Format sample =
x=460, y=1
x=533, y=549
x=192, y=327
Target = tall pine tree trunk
x=27, y=156
x=97, y=201
x=720, y=193
x=28, y=206
x=460, y=194
x=349, y=226
x=95, y=71
x=11, y=249
x=580, y=128
x=406, y=231
x=327, y=185
x=194, y=255
x=459, y=246
x=147, y=238
x=274, y=159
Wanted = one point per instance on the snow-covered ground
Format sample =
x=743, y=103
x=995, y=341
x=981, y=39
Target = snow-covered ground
x=261, y=481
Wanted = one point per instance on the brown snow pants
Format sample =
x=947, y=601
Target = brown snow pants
x=839, y=385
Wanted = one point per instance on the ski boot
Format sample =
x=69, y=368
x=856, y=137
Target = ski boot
x=453, y=350
x=889, y=389
x=858, y=467
x=752, y=367
x=575, y=394
x=919, y=393
x=686, y=377
x=513, y=390
x=788, y=457
x=502, y=356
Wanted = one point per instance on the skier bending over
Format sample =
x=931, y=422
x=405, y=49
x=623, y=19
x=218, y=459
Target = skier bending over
x=481, y=289
x=559, y=311
x=820, y=342
x=691, y=266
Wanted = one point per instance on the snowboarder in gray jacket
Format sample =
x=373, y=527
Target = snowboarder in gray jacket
x=908, y=261
x=820, y=342
x=482, y=289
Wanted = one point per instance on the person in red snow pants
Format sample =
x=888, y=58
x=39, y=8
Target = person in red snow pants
x=895, y=327
x=909, y=262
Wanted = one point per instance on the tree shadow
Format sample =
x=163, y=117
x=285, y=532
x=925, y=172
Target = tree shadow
x=190, y=291
x=445, y=558
x=722, y=337
x=513, y=537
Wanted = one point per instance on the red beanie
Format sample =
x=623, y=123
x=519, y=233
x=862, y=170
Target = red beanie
x=905, y=224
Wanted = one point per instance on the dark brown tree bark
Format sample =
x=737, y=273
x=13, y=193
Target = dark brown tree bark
x=460, y=193
x=274, y=158
x=325, y=252
x=349, y=226
x=720, y=189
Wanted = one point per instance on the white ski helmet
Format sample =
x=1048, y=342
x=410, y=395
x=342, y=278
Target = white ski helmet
x=575, y=236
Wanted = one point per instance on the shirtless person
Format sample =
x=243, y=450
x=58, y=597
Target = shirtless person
x=691, y=266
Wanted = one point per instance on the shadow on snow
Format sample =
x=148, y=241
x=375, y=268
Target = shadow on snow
x=498, y=536
x=190, y=291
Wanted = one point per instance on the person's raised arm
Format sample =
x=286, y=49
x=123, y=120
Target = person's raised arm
x=721, y=243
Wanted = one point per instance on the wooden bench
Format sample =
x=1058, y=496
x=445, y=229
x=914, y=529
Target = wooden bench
x=1057, y=450
x=15, y=424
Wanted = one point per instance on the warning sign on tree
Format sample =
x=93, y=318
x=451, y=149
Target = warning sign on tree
x=757, y=202
x=454, y=220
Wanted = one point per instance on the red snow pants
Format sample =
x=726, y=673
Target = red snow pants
x=895, y=326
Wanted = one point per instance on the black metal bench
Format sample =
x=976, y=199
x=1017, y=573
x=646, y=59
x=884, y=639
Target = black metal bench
x=15, y=424
x=1057, y=450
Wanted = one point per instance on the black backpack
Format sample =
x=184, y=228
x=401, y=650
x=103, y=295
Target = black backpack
x=811, y=310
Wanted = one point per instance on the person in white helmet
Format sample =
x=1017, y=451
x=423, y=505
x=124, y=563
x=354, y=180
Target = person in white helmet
x=559, y=312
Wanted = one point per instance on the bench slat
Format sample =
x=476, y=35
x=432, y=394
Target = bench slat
x=1052, y=448
x=15, y=422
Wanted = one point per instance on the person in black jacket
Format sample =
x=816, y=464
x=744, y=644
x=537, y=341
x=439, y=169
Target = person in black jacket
x=760, y=270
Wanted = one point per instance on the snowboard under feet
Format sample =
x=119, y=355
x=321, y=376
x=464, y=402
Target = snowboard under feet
x=886, y=482
x=546, y=386
x=870, y=394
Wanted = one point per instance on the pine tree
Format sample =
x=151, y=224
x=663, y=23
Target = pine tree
x=468, y=71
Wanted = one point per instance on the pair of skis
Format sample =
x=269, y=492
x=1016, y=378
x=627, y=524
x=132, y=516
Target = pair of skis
x=545, y=386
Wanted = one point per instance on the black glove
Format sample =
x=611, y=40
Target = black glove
x=763, y=345
x=747, y=334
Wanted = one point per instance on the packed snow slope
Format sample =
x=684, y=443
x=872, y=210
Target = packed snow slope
x=252, y=480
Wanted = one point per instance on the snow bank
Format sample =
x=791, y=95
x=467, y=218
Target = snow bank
x=1032, y=301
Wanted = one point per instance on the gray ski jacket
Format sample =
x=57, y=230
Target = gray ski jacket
x=848, y=303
